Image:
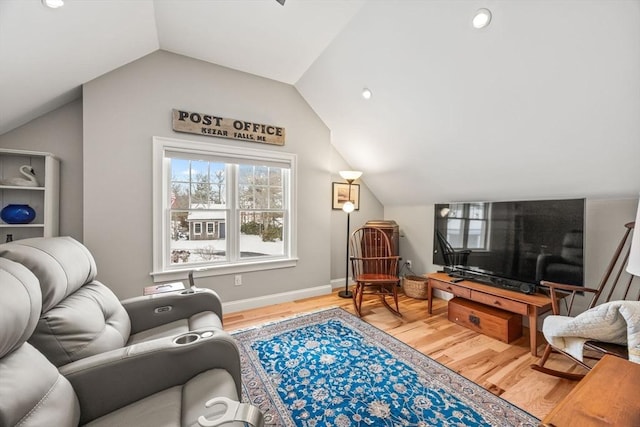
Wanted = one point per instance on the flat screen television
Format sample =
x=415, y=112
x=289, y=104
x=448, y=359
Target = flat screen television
x=513, y=244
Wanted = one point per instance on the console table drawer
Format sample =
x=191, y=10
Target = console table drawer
x=503, y=303
x=456, y=290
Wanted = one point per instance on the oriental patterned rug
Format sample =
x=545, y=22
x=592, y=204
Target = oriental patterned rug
x=329, y=368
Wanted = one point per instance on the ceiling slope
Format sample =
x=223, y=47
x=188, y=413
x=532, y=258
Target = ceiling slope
x=46, y=55
x=542, y=103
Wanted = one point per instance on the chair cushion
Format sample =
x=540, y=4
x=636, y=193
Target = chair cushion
x=61, y=264
x=206, y=319
x=32, y=391
x=88, y=322
x=177, y=406
x=20, y=302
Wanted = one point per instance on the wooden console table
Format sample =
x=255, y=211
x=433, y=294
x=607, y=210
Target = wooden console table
x=512, y=301
x=606, y=396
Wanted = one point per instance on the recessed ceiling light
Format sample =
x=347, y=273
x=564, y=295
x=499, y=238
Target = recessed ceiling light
x=366, y=93
x=482, y=18
x=53, y=4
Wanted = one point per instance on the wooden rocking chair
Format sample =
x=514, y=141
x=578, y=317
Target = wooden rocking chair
x=374, y=268
x=614, y=286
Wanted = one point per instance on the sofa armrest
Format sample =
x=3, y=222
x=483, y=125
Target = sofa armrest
x=144, y=315
x=111, y=380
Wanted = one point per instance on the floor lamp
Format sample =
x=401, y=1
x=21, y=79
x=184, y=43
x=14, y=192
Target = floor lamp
x=348, y=207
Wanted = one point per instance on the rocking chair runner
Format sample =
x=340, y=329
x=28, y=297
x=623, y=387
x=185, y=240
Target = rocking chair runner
x=612, y=287
x=374, y=268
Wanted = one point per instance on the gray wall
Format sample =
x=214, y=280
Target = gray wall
x=124, y=109
x=58, y=132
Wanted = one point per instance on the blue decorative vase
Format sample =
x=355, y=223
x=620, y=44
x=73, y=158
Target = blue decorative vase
x=17, y=214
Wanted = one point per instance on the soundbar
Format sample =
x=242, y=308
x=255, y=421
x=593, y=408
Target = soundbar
x=498, y=282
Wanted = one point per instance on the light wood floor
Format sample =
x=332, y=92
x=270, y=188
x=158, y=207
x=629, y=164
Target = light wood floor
x=501, y=368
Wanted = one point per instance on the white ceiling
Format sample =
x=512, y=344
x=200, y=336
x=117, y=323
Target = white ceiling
x=545, y=102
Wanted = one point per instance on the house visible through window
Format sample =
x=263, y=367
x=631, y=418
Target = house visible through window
x=467, y=225
x=224, y=206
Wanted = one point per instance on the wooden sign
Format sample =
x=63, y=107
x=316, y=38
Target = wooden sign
x=210, y=125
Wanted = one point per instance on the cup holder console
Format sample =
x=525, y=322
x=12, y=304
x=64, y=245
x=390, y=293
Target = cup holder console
x=192, y=337
x=186, y=339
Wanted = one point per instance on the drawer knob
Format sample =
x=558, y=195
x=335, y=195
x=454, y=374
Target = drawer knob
x=474, y=319
x=496, y=303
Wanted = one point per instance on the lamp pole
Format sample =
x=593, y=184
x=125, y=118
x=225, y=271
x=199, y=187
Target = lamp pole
x=347, y=293
x=348, y=207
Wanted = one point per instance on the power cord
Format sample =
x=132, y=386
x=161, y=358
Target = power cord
x=405, y=266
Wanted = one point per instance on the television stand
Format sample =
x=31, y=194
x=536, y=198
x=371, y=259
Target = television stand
x=530, y=305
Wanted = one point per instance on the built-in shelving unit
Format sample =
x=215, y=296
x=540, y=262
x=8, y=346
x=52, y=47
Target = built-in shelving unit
x=44, y=198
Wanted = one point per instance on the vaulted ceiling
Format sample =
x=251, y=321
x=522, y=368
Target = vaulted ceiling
x=542, y=103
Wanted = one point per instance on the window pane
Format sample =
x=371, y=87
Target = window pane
x=180, y=170
x=261, y=234
x=477, y=234
x=260, y=187
x=476, y=211
x=455, y=232
x=201, y=195
x=218, y=188
x=275, y=177
x=275, y=198
x=245, y=174
x=456, y=210
x=191, y=240
x=179, y=196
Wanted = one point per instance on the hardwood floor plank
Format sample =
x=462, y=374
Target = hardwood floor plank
x=501, y=368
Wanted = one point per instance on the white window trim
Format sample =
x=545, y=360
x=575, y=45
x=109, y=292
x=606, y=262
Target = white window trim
x=160, y=271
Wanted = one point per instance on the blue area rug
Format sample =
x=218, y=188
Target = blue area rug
x=329, y=368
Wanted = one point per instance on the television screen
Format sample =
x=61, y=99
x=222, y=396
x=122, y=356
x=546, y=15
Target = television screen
x=525, y=241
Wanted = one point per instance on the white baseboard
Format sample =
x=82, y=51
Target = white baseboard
x=246, y=304
x=339, y=283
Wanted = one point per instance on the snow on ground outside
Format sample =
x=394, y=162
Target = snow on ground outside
x=248, y=243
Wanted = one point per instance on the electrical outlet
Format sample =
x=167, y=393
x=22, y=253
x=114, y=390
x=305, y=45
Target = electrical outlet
x=238, y=280
x=409, y=263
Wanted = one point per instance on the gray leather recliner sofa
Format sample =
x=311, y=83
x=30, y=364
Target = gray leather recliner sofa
x=82, y=317
x=163, y=382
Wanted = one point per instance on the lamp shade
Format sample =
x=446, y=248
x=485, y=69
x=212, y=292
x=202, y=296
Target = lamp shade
x=633, y=266
x=348, y=207
x=350, y=175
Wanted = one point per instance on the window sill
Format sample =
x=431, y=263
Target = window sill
x=220, y=270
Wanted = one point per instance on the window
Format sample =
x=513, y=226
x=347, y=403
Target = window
x=467, y=225
x=226, y=209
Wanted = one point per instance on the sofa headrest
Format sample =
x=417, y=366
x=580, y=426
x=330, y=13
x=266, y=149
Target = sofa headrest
x=61, y=264
x=20, y=303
